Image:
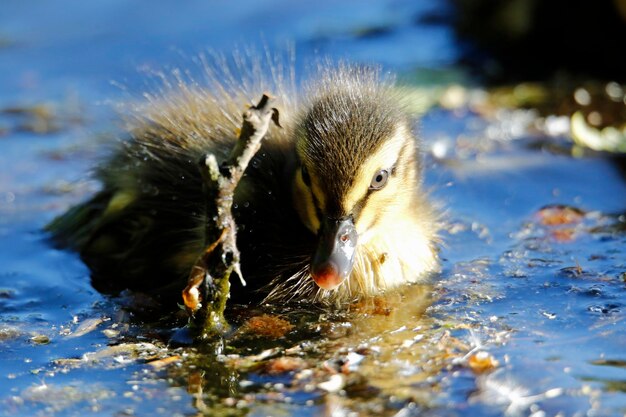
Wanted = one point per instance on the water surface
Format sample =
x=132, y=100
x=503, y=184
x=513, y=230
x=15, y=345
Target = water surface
x=540, y=294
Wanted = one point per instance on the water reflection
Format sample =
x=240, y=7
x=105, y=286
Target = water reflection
x=329, y=360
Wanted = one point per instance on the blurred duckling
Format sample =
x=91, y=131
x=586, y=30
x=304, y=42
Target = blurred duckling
x=330, y=210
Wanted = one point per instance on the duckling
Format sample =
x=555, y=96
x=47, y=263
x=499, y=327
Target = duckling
x=331, y=209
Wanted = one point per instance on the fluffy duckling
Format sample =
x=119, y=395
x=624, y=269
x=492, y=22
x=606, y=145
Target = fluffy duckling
x=331, y=209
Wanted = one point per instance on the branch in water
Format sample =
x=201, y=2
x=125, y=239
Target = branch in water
x=208, y=286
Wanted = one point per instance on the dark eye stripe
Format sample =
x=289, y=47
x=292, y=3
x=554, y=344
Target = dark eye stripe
x=316, y=204
x=305, y=176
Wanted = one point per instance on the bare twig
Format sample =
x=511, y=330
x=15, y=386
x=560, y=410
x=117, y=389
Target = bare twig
x=208, y=287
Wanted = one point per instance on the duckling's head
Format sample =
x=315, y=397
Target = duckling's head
x=358, y=168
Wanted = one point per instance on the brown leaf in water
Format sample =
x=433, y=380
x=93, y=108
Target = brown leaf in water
x=377, y=306
x=284, y=364
x=560, y=215
x=162, y=363
x=266, y=325
x=563, y=235
x=482, y=362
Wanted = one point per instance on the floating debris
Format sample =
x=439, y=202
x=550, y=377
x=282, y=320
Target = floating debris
x=334, y=384
x=481, y=362
x=162, y=363
x=40, y=339
x=114, y=356
x=557, y=215
x=111, y=333
x=272, y=327
x=9, y=333
x=87, y=326
x=284, y=364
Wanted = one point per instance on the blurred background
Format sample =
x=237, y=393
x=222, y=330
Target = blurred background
x=523, y=121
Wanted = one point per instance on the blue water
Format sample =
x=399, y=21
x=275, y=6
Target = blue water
x=503, y=276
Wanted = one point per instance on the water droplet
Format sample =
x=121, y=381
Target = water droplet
x=614, y=91
x=582, y=97
x=150, y=190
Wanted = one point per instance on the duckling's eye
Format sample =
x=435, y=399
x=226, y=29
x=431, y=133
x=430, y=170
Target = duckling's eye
x=379, y=180
x=305, y=176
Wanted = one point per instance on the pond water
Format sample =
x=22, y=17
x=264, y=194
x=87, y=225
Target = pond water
x=526, y=318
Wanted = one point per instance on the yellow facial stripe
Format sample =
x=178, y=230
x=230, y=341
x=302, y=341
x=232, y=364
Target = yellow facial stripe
x=385, y=158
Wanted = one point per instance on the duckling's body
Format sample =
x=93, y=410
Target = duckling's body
x=333, y=198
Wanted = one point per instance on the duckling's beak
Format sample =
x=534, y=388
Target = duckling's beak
x=334, y=256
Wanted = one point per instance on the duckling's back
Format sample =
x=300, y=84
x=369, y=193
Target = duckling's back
x=144, y=229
